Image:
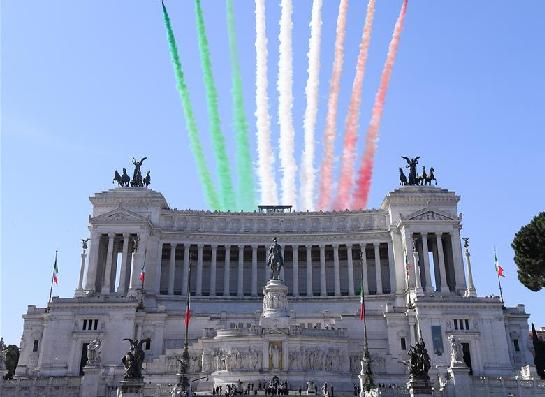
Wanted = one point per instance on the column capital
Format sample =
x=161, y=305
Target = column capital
x=322, y=246
x=200, y=246
x=254, y=246
x=111, y=235
x=349, y=247
x=308, y=246
x=214, y=246
x=227, y=247
x=173, y=245
x=126, y=235
x=335, y=245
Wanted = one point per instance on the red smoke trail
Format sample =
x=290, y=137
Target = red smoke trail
x=346, y=182
x=334, y=89
x=366, y=169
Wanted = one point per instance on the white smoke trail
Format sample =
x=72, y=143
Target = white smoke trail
x=285, y=105
x=265, y=156
x=311, y=91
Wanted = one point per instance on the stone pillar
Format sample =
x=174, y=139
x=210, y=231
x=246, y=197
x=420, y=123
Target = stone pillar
x=378, y=268
x=323, y=290
x=198, y=289
x=309, y=270
x=81, y=271
x=213, y=270
x=254, y=270
x=90, y=283
x=295, y=256
x=282, y=272
x=240, y=279
x=470, y=291
x=186, y=268
x=108, y=271
x=409, y=267
x=171, y=269
x=133, y=279
x=227, y=271
x=350, y=270
x=442, y=269
x=125, y=263
x=364, y=268
x=427, y=268
x=337, y=271
x=458, y=264
x=391, y=266
x=418, y=281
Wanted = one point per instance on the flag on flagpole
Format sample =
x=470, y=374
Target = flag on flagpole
x=362, y=303
x=499, y=268
x=54, y=277
x=187, y=315
x=142, y=276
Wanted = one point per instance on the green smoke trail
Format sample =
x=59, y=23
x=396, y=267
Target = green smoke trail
x=246, y=187
x=224, y=172
x=194, y=139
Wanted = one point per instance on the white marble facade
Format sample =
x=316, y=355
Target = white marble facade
x=323, y=272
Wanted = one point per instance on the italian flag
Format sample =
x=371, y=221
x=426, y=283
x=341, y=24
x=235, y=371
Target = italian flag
x=187, y=315
x=499, y=268
x=55, y=278
x=362, y=303
x=142, y=276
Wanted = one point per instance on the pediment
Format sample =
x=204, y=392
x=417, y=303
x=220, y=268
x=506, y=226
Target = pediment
x=119, y=215
x=428, y=214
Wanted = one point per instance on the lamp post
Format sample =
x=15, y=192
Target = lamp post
x=366, y=375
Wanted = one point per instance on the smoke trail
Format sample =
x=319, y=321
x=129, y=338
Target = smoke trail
x=265, y=156
x=334, y=90
x=285, y=104
x=311, y=90
x=191, y=125
x=366, y=169
x=224, y=172
x=352, y=118
x=246, y=188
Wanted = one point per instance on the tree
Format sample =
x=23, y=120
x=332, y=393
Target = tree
x=529, y=247
x=12, y=358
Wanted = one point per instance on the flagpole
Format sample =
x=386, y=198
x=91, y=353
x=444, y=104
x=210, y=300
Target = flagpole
x=366, y=375
x=498, y=275
x=52, y=279
x=183, y=381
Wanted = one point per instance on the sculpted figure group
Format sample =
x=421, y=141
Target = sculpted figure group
x=415, y=179
x=124, y=180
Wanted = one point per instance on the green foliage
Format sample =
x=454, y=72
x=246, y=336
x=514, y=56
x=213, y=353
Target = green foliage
x=529, y=247
x=12, y=358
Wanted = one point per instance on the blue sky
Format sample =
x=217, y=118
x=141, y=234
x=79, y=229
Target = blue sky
x=86, y=85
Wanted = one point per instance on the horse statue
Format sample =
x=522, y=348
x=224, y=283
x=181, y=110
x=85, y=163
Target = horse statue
x=123, y=179
x=132, y=361
x=430, y=177
x=147, y=180
x=275, y=260
x=402, y=177
x=419, y=361
x=117, y=178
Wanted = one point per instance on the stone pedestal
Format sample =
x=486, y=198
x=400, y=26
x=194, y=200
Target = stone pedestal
x=461, y=380
x=90, y=381
x=275, y=305
x=419, y=388
x=131, y=388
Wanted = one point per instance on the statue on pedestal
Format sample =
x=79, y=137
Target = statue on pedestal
x=134, y=358
x=275, y=260
x=456, y=353
x=94, y=351
x=419, y=361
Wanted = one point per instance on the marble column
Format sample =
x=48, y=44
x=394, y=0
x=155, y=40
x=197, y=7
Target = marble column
x=409, y=266
x=323, y=289
x=427, y=268
x=295, y=269
x=378, y=268
x=227, y=271
x=81, y=270
x=364, y=268
x=442, y=269
x=391, y=266
x=337, y=270
x=125, y=263
x=418, y=281
x=134, y=254
x=213, y=265
x=350, y=270
x=198, y=289
x=187, y=263
x=171, y=268
x=309, y=270
x=254, y=270
x=90, y=282
x=470, y=291
x=240, y=278
x=282, y=272
x=458, y=262
x=109, y=258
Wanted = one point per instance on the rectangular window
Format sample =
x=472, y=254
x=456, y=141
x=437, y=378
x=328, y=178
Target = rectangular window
x=89, y=324
x=84, y=325
x=403, y=344
x=461, y=324
x=148, y=344
x=437, y=339
x=35, y=347
x=516, y=345
x=96, y=325
x=455, y=324
x=467, y=324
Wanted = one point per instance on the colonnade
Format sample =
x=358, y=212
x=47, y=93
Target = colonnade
x=241, y=270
